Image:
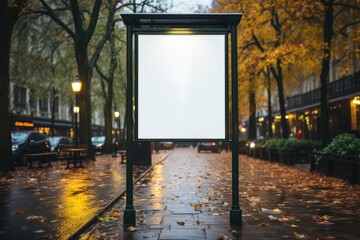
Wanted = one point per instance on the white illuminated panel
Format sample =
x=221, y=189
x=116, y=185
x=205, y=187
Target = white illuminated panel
x=181, y=86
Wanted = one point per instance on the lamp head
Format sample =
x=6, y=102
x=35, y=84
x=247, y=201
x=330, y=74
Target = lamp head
x=76, y=85
x=76, y=109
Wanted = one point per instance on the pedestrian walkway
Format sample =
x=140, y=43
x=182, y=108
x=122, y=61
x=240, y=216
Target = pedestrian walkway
x=188, y=196
x=52, y=203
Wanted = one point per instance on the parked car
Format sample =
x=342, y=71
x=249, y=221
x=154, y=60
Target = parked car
x=24, y=142
x=209, y=146
x=59, y=142
x=98, y=143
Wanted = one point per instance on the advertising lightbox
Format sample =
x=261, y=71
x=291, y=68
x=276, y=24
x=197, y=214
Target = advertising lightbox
x=181, y=86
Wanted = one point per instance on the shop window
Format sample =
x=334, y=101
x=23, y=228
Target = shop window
x=32, y=102
x=20, y=97
x=43, y=105
x=355, y=116
x=56, y=104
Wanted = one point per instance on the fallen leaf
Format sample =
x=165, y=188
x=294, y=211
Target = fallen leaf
x=299, y=235
x=180, y=223
x=272, y=217
x=276, y=211
x=132, y=229
x=223, y=237
x=197, y=222
x=265, y=210
x=33, y=217
x=115, y=215
x=103, y=218
x=19, y=212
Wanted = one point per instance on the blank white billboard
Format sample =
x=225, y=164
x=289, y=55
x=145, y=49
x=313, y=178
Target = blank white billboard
x=181, y=86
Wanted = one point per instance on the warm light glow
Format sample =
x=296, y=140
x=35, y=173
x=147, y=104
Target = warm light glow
x=24, y=124
x=261, y=119
x=243, y=130
x=76, y=109
x=116, y=114
x=356, y=100
x=315, y=112
x=76, y=85
x=278, y=117
x=180, y=31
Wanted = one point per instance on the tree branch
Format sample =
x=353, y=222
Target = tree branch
x=348, y=25
x=109, y=28
x=53, y=16
x=94, y=17
x=346, y=5
x=101, y=73
x=76, y=13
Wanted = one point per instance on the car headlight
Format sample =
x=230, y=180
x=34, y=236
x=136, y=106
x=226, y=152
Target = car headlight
x=252, y=144
x=15, y=147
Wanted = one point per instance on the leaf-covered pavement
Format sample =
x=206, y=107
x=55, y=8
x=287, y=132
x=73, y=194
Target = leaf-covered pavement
x=188, y=196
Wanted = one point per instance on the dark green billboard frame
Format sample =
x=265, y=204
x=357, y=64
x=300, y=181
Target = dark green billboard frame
x=197, y=23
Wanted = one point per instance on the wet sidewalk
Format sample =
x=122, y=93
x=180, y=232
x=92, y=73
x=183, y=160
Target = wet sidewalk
x=52, y=203
x=188, y=196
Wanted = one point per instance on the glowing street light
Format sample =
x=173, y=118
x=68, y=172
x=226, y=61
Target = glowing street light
x=76, y=87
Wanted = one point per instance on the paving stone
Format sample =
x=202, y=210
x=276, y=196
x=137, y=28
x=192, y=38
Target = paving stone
x=180, y=234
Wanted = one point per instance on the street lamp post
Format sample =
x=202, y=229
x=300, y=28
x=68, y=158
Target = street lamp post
x=76, y=87
x=117, y=116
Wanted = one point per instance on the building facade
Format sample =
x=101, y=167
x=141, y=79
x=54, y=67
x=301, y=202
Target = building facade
x=48, y=114
x=304, y=115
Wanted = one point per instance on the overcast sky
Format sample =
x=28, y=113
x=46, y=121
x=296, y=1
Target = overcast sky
x=188, y=6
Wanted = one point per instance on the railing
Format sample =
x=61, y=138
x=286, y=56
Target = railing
x=341, y=87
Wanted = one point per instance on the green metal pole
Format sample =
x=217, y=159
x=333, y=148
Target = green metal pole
x=129, y=212
x=235, y=212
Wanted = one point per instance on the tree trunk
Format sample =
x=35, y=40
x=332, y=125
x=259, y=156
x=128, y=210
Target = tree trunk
x=53, y=94
x=280, y=85
x=84, y=95
x=325, y=72
x=269, y=107
x=8, y=17
x=252, y=116
x=109, y=97
x=108, y=125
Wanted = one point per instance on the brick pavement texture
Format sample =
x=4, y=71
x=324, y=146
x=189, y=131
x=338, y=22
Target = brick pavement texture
x=188, y=196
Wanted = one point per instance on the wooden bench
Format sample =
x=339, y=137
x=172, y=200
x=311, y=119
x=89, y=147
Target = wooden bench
x=76, y=154
x=123, y=156
x=41, y=157
x=62, y=153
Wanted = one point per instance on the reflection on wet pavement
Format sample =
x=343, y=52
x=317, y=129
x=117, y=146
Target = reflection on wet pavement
x=52, y=203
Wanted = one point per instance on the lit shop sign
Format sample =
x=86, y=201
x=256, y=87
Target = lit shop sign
x=24, y=124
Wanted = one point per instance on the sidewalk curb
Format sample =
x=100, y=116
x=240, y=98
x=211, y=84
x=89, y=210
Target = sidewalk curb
x=94, y=219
